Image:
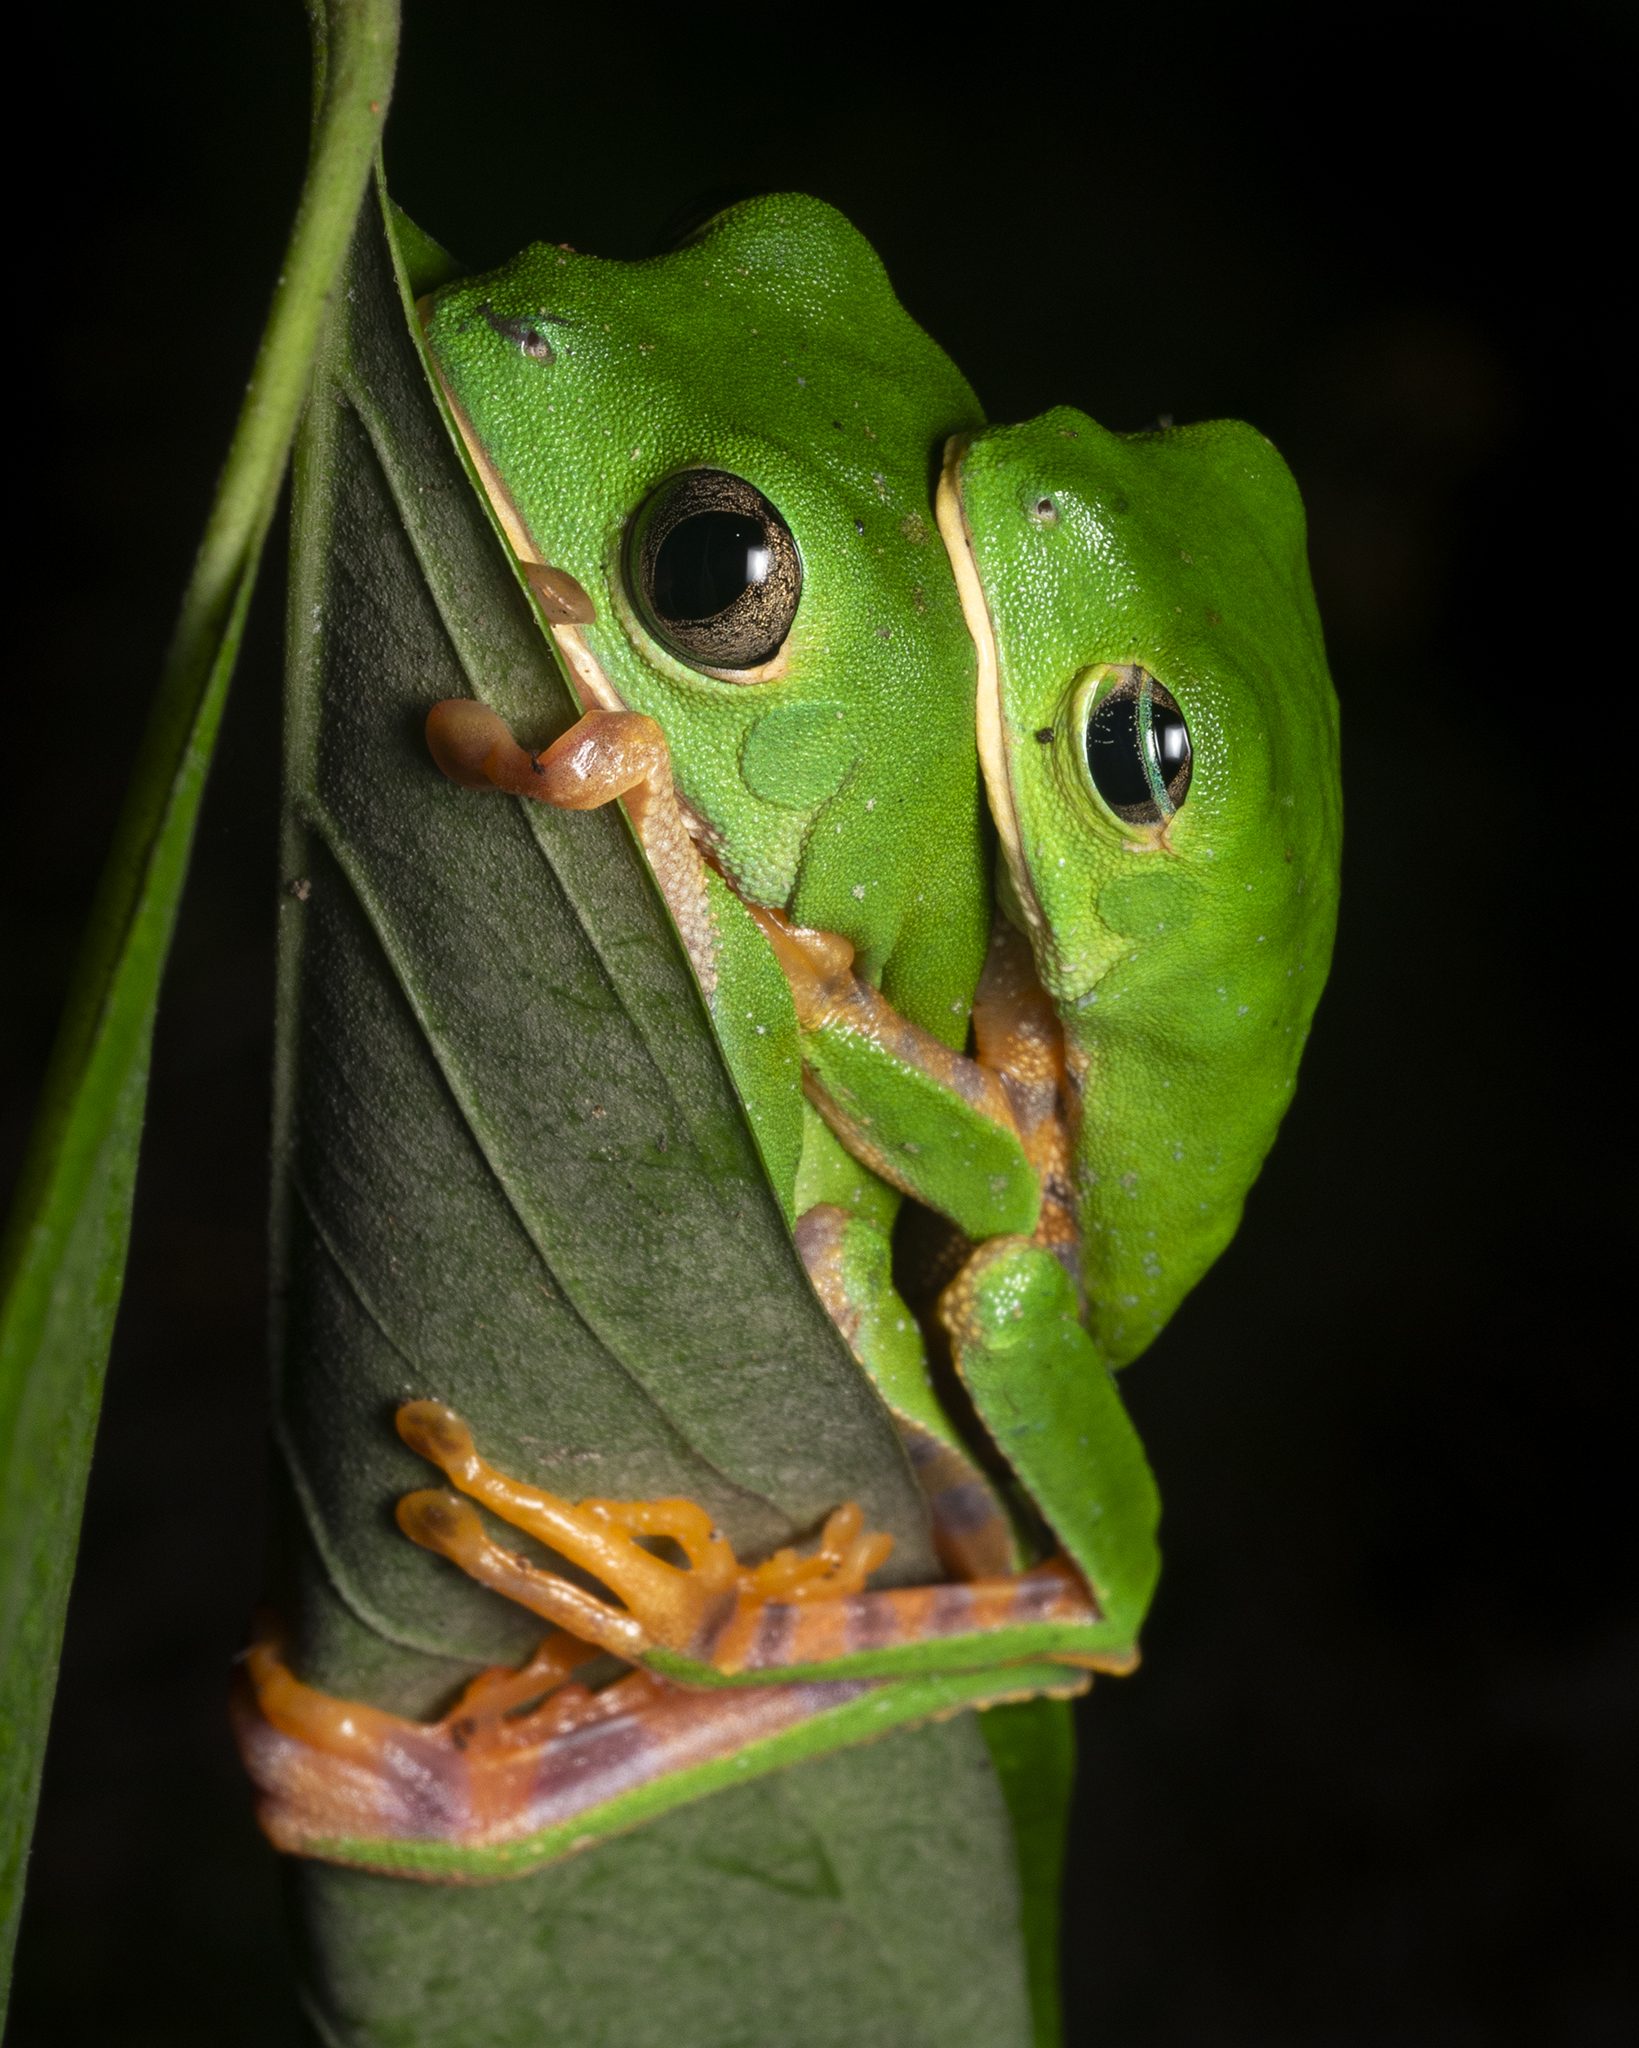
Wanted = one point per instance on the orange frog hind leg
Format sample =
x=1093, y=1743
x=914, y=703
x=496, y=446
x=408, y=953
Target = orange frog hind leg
x=519, y=1754
x=691, y=1609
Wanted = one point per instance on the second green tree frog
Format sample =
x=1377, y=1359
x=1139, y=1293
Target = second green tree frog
x=1160, y=744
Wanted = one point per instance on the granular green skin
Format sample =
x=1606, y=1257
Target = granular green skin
x=1187, y=972
x=846, y=789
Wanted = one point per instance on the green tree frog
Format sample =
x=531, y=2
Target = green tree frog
x=716, y=469
x=1160, y=745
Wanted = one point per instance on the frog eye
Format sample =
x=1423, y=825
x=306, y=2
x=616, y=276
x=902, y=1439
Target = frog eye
x=714, y=570
x=1138, y=750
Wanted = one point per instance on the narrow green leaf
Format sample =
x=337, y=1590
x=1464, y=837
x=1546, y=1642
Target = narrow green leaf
x=1033, y=1746
x=866, y=1899
x=64, y=1255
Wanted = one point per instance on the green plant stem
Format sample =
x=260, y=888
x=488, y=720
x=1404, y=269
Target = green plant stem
x=63, y=1261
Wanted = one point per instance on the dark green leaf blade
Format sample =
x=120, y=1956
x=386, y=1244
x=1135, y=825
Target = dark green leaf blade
x=1033, y=1746
x=64, y=1256
x=862, y=1900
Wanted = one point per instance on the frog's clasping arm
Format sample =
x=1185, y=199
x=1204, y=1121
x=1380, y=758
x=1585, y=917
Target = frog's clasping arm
x=829, y=995
x=607, y=754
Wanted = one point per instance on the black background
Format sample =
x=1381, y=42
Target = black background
x=1375, y=1783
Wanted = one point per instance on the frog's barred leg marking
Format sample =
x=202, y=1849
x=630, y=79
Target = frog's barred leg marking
x=777, y=1636
x=509, y=1779
x=608, y=754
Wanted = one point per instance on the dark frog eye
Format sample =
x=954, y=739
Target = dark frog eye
x=714, y=570
x=1138, y=750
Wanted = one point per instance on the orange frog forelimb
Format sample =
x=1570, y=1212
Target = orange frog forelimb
x=607, y=754
x=1018, y=1034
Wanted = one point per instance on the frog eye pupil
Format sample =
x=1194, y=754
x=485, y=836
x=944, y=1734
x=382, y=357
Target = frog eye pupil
x=714, y=570
x=706, y=562
x=1138, y=749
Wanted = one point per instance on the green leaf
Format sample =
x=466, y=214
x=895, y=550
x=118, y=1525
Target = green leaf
x=867, y=1899
x=64, y=1255
x=513, y=1175
x=1033, y=1746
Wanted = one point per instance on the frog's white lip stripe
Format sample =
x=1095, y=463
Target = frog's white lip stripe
x=994, y=749
x=590, y=681
x=592, y=686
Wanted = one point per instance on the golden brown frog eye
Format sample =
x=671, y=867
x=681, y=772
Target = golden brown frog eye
x=1138, y=750
x=714, y=570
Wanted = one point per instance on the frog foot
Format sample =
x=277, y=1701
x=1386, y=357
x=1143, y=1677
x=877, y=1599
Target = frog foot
x=520, y=1753
x=1018, y=1036
x=791, y=1611
x=607, y=754
x=500, y=1709
x=664, y=1606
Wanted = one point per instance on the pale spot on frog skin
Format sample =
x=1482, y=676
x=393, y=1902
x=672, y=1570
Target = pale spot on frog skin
x=858, y=891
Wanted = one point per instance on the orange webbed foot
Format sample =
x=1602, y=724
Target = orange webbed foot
x=664, y=1606
x=846, y=1557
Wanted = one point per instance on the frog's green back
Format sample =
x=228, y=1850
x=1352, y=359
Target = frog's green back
x=771, y=347
x=1185, y=965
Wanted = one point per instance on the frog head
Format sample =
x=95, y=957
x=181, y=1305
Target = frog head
x=727, y=456
x=1159, y=740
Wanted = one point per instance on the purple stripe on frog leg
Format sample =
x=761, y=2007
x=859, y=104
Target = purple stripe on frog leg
x=473, y=1782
